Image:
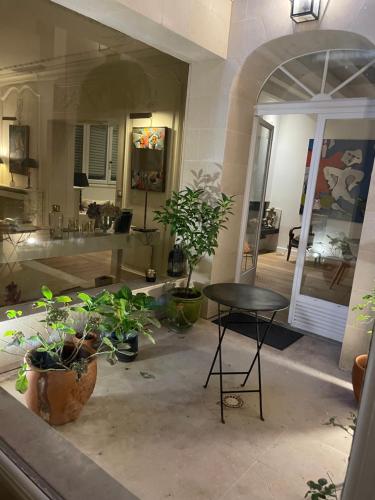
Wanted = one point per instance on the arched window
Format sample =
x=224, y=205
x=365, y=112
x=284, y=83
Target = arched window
x=331, y=74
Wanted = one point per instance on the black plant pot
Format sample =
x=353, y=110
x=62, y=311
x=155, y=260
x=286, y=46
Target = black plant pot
x=123, y=222
x=128, y=353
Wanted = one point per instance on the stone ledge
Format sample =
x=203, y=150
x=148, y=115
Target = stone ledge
x=52, y=459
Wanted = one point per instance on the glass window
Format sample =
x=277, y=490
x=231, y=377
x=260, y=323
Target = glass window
x=68, y=89
x=341, y=191
x=308, y=70
x=319, y=74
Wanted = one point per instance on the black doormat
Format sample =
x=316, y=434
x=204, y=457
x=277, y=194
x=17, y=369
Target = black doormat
x=278, y=337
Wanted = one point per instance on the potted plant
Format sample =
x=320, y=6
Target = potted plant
x=125, y=316
x=367, y=309
x=196, y=224
x=57, y=376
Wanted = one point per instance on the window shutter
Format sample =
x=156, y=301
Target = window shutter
x=114, y=153
x=98, y=152
x=78, y=149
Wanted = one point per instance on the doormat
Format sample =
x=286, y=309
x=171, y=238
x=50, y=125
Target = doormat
x=278, y=337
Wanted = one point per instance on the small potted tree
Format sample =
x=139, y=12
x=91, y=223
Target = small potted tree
x=196, y=224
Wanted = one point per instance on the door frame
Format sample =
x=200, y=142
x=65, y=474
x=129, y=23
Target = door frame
x=325, y=110
x=257, y=122
x=331, y=312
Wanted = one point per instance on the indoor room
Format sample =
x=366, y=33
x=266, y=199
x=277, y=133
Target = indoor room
x=78, y=102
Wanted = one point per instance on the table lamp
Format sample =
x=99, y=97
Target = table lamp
x=80, y=181
x=29, y=163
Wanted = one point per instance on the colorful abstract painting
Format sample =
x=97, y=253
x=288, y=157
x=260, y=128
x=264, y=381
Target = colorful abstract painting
x=149, y=155
x=343, y=179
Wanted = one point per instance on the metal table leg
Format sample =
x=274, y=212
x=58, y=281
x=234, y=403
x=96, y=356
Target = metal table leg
x=221, y=336
x=260, y=340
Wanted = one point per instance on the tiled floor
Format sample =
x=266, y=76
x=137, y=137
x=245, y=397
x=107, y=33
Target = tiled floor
x=153, y=427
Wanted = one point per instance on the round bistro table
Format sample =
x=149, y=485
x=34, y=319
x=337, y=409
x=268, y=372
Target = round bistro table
x=252, y=300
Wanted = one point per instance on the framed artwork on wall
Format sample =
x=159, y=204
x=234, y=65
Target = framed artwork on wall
x=18, y=148
x=343, y=179
x=149, y=158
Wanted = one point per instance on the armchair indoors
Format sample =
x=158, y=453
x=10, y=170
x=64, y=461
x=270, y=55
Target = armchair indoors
x=294, y=240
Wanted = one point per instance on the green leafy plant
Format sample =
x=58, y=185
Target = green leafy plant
x=48, y=349
x=195, y=223
x=124, y=312
x=367, y=309
x=321, y=489
x=349, y=428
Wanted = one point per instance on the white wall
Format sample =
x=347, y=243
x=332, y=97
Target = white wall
x=189, y=29
x=287, y=168
x=99, y=193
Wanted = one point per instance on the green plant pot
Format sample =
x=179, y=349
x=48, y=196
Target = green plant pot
x=182, y=311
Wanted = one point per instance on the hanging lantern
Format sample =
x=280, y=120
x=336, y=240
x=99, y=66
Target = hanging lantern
x=176, y=262
x=305, y=10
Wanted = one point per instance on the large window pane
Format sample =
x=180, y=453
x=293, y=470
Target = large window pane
x=258, y=183
x=68, y=85
x=341, y=192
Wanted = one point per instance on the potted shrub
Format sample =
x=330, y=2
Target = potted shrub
x=196, y=224
x=125, y=316
x=367, y=309
x=58, y=375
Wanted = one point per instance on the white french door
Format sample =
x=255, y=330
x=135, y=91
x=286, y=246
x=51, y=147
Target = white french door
x=333, y=211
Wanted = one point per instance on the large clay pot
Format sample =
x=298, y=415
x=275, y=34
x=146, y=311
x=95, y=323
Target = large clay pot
x=358, y=374
x=57, y=395
x=183, y=311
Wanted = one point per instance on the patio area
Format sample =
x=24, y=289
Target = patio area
x=152, y=426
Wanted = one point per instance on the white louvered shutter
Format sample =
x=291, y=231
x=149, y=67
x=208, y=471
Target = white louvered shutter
x=114, y=153
x=97, y=169
x=78, y=148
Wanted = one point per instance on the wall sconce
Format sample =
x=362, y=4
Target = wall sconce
x=305, y=10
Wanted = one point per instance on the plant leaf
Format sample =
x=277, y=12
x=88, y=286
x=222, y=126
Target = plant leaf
x=46, y=292
x=63, y=298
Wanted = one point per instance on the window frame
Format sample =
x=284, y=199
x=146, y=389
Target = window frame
x=86, y=153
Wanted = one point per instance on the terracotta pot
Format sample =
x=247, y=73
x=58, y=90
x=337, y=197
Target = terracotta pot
x=358, y=374
x=57, y=395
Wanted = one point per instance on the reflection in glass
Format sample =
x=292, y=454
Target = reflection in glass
x=258, y=182
x=70, y=87
x=341, y=192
